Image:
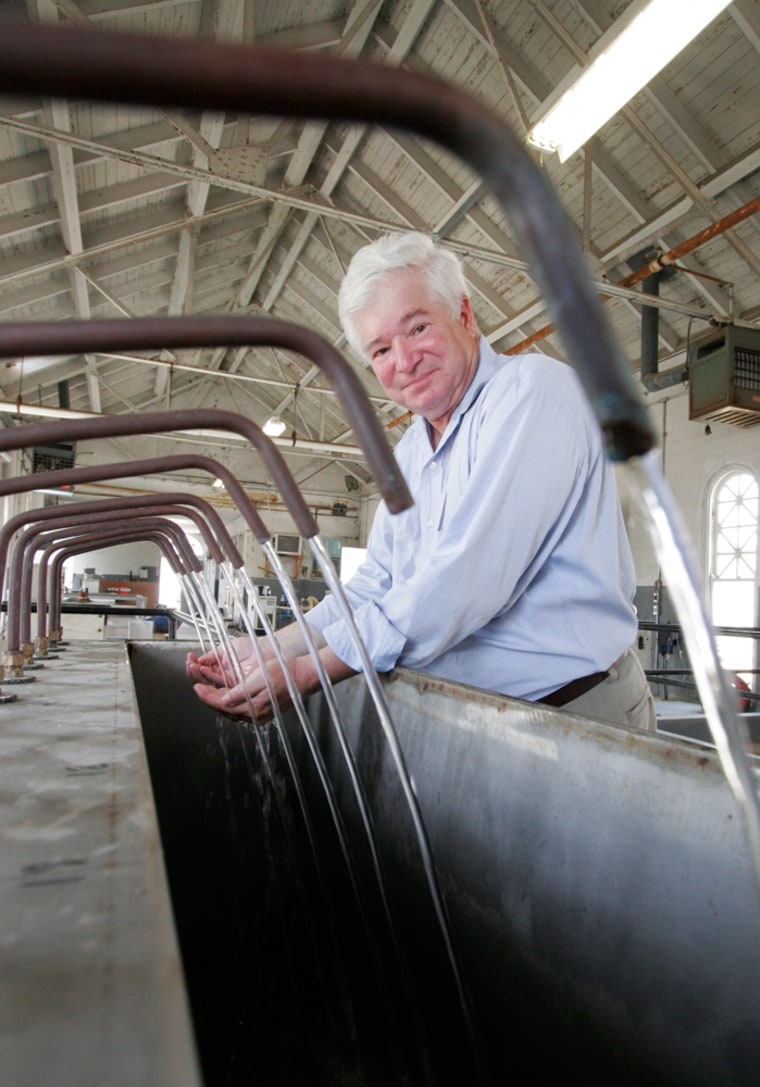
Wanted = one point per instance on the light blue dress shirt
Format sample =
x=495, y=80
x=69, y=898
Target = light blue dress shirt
x=512, y=571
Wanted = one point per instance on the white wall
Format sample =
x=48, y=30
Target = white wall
x=120, y=559
x=692, y=459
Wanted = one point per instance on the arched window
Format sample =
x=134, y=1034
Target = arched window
x=734, y=536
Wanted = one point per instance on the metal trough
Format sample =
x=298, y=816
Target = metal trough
x=601, y=901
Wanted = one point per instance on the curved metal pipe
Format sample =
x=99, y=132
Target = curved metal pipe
x=79, y=63
x=150, y=466
x=83, y=337
x=35, y=536
x=91, y=515
x=119, y=426
x=197, y=510
x=56, y=554
x=651, y=377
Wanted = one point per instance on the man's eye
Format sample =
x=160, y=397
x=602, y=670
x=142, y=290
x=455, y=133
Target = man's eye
x=419, y=328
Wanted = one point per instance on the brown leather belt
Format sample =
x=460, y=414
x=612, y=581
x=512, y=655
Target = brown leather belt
x=573, y=690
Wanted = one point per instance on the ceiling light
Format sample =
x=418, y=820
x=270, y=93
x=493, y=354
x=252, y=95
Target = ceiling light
x=218, y=484
x=274, y=427
x=645, y=38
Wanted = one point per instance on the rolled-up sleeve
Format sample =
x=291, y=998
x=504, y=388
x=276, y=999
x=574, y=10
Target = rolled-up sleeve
x=364, y=593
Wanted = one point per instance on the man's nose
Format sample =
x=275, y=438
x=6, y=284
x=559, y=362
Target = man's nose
x=404, y=355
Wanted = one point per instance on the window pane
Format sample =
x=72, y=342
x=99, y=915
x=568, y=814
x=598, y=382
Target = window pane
x=735, y=511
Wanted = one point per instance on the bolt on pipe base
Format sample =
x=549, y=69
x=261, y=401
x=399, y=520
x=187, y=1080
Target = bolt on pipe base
x=14, y=668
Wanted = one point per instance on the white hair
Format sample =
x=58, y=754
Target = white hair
x=393, y=253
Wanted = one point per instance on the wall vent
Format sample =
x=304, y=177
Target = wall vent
x=54, y=457
x=724, y=377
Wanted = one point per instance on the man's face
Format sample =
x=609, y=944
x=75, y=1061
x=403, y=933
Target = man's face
x=423, y=358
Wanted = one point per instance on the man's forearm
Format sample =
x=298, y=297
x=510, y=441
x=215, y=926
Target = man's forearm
x=307, y=676
x=292, y=641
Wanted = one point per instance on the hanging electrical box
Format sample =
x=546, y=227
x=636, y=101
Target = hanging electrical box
x=724, y=377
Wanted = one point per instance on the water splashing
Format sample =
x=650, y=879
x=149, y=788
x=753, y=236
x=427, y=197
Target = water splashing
x=389, y=729
x=674, y=551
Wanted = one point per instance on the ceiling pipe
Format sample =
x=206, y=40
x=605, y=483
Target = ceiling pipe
x=651, y=378
x=659, y=263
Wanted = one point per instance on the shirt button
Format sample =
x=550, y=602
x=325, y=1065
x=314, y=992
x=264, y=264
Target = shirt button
x=430, y=524
x=433, y=465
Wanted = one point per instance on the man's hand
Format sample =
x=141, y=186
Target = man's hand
x=217, y=682
x=253, y=697
x=215, y=667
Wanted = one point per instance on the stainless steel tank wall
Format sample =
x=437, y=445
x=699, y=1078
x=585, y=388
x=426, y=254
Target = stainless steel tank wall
x=600, y=899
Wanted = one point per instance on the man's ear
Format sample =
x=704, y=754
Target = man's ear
x=467, y=317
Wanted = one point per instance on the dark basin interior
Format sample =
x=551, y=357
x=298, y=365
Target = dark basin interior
x=296, y=976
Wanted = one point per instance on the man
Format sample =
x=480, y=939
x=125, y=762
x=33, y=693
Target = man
x=512, y=572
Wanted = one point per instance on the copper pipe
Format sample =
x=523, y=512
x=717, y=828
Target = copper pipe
x=84, y=337
x=663, y=261
x=178, y=498
x=155, y=504
x=714, y=230
x=18, y=632
x=76, y=62
x=61, y=553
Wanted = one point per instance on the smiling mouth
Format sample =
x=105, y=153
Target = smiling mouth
x=417, y=379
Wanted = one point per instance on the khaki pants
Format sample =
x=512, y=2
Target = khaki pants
x=624, y=698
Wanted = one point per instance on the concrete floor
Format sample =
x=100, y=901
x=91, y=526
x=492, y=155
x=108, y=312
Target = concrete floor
x=92, y=991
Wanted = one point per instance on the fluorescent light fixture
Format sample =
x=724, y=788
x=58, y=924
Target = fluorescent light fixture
x=218, y=484
x=274, y=427
x=645, y=38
